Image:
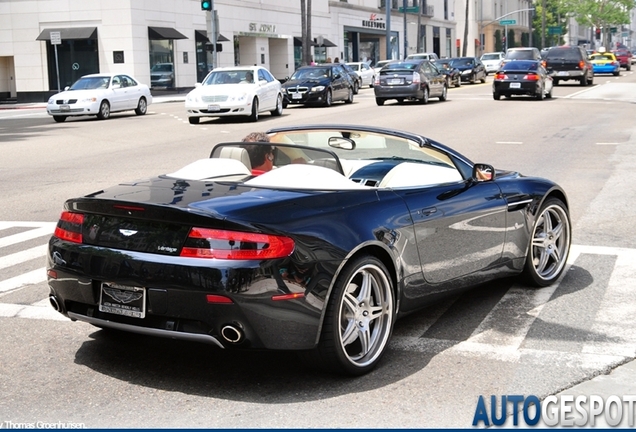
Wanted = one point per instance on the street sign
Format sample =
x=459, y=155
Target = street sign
x=56, y=38
x=554, y=30
x=507, y=22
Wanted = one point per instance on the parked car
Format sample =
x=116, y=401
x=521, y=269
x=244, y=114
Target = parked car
x=353, y=75
x=522, y=53
x=453, y=76
x=522, y=77
x=410, y=80
x=624, y=57
x=100, y=95
x=321, y=258
x=569, y=63
x=380, y=64
x=471, y=69
x=319, y=85
x=162, y=75
x=423, y=56
x=492, y=61
x=235, y=91
x=365, y=72
x=605, y=63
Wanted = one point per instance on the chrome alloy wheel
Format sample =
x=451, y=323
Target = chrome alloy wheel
x=550, y=242
x=365, y=315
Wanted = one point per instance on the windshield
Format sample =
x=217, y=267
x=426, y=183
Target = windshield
x=520, y=54
x=162, y=67
x=91, y=83
x=608, y=57
x=312, y=73
x=462, y=62
x=521, y=65
x=229, y=77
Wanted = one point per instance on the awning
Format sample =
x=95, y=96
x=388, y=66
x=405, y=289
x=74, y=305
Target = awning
x=155, y=33
x=298, y=41
x=202, y=36
x=325, y=43
x=70, y=33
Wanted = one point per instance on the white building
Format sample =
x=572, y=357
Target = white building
x=132, y=36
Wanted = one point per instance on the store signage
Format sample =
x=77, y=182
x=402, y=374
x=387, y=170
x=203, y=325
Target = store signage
x=262, y=28
x=374, y=22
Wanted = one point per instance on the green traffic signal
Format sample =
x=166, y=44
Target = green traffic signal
x=206, y=5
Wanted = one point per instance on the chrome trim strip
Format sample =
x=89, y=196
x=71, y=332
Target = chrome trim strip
x=518, y=203
x=147, y=331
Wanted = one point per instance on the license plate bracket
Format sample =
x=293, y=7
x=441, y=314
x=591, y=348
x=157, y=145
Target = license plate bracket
x=122, y=300
x=297, y=95
x=515, y=85
x=214, y=108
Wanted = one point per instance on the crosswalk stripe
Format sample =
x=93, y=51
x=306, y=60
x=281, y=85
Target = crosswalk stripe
x=22, y=256
x=30, y=278
x=26, y=235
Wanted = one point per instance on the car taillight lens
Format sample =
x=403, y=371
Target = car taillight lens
x=531, y=77
x=500, y=76
x=69, y=227
x=235, y=245
x=582, y=64
x=416, y=78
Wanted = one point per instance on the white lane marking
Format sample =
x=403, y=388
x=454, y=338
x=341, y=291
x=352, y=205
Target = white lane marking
x=509, y=142
x=27, y=235
x=22, y=256
x=608, y=143
x=30, y=278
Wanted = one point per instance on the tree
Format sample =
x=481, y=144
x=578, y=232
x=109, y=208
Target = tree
x=555, y=15
x=601, y=13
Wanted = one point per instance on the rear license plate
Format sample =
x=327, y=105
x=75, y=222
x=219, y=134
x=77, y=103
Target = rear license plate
x=394, y=81
x=515, y=85
x=214, y=108
x=563, y=73
x=122, y=300
x=65, y=107
x=297, y=96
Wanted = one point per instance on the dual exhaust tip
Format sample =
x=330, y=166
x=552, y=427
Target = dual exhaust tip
x=230, y=333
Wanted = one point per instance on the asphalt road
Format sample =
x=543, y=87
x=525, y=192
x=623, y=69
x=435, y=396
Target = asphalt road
x=500, y=339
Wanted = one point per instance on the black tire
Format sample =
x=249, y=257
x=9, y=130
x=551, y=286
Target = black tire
x=359, y=319
x=444, y=94
x=193, y=120
x=356, y=87
x=539, y=95
x=473, y=79
x=496, y=96
x=328, y=98
x=549, y=244
x=142, y=106
x=617, y=73
x=583, y=80
x=400, y=101
x=425, y=97
x=548, y=95
x=555, y=82
x=483, y=80
x=379, y=101
x=59, y=119
x=629, y=67
x=254, y=115
x=104, y=110
x=278, y=111
x=349, y=98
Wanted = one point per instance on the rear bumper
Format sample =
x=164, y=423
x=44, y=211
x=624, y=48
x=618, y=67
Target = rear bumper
x=503, y=88
x=392, y=92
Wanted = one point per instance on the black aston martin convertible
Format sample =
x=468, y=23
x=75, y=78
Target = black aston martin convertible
x=352, y=228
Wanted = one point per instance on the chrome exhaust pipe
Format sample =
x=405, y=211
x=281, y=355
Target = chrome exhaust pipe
x=232, y=334
x=54, y=303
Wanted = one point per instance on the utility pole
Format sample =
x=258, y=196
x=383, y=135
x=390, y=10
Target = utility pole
x=542, y=24
x=387, y=5
x=406, y=44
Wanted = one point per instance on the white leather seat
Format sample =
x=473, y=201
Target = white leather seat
x=238, y=153
x=409, y=174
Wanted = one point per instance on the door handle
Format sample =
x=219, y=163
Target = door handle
x=429, y=211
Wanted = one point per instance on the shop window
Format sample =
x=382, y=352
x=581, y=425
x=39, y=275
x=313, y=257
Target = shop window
x=161, y=63
x=76, y=57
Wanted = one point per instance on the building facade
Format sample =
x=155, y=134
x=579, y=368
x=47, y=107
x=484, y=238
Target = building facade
x=45, y=45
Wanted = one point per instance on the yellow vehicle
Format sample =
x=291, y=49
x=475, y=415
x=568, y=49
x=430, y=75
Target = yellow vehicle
x=605, y=63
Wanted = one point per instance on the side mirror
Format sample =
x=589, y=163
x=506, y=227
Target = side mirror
x=337, y=76
x=483, y=172
x=66, y=88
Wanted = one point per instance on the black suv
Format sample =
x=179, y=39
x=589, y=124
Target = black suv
x=569, y=63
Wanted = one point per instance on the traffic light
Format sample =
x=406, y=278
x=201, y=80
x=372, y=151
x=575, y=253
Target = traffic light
x=206, y=5
x=598, y=33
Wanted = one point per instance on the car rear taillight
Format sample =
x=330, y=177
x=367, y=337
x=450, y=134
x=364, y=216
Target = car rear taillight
x=69, y=227
x=500, y=76
x=531, y=77
x=416, y=78
x=235, y=245
x=581, y=64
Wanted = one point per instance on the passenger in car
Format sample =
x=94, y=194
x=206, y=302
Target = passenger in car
x=261, y=156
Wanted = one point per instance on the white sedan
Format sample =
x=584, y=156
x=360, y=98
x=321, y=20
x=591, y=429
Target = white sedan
x=365, y=72
x=100, y=95
x=235, y=91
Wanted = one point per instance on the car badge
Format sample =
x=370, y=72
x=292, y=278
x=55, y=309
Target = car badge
x=122, y=296
x=127, y=232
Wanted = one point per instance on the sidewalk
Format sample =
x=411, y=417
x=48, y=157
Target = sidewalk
x=177, y=97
